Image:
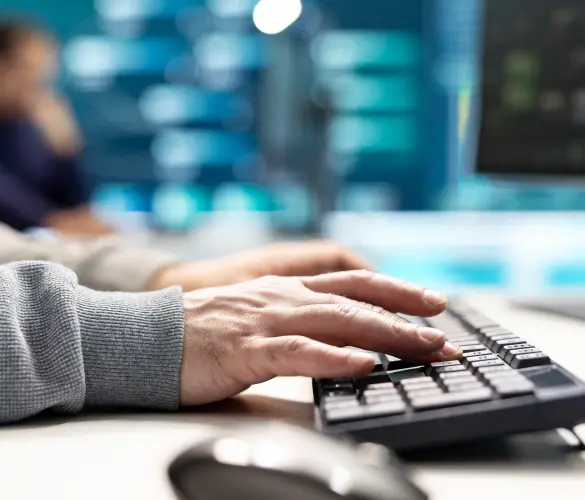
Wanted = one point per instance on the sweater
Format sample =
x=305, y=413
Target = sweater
x=65, y=348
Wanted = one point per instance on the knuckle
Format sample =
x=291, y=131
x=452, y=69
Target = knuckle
x=294, y=346
x=347, y=312
x=272, y=353
x=375, y=309
x=400, y=325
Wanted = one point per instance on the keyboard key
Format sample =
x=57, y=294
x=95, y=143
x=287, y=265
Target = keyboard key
x=493, y=330
x=484, y=357
x=499, y=336
x=420, y=392
x=338, y=386
x=503, y=375
x=384, y=409
x=461, y=338
x=334, y=405
x=381, y=387
x=465, y=377
x=449, y=369
x=483, y=371
x=338, y=392
x=490, y=342
x=469, y=386
x=381, y=398
x=467, y=355
x=416, y=381
x=476, y=365
x=451, y=399
x=500, y=344
x=384, y=390
x=443, y=363
x=478, y=321
x=329, y=399
x=344, y=414
x=513, y=388
x=507, y=348
x=472, y=347
x=528, y=360
x=456, y=375
x=469, y=379
x=516, y=352
x=467, y=343
x=440, y=364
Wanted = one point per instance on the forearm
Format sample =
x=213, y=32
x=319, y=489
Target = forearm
x=103, y=264
x=65, y=347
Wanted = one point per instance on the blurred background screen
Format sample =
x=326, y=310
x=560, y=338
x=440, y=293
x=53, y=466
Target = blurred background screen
x=533, y=84
x=193, y=108
x=188, y=108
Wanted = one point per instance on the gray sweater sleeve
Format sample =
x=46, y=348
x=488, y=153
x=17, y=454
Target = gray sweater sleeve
x=100, y=264
x=64, y=347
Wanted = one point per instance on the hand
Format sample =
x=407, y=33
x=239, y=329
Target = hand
x=55, y=120
x=77, y=222
x=289, y=259
x=245, y=334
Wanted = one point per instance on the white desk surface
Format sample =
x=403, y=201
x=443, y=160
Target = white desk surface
x=125, y=456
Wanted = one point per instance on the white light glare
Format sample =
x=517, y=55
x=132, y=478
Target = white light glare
x=274, y=16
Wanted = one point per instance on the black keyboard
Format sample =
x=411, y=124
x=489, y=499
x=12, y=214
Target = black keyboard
x=502, y=385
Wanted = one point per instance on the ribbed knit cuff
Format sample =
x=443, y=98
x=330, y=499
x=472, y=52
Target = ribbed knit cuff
x=132, y=347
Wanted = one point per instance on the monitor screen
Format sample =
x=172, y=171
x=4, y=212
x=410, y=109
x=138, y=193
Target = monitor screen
x=533, y=88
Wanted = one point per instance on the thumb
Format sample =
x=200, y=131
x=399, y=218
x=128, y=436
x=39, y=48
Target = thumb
x=301, y=356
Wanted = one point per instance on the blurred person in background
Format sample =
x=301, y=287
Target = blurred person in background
x=41, y=184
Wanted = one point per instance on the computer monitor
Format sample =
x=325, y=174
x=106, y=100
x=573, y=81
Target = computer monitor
x=532, y=88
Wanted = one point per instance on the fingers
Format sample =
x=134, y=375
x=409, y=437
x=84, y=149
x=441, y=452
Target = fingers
x=367, y=327
x=300, y=356
x=447, y=352
x=387, y=292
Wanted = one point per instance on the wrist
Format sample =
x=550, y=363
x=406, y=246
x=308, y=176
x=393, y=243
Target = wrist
x=132, y=347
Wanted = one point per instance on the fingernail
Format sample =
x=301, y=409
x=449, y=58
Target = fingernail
x=433, y=336
x=451, y=351
x=434, y=299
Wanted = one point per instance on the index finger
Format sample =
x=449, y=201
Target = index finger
x=384, y=291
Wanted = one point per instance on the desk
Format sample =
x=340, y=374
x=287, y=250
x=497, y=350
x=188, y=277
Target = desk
x=110, y=457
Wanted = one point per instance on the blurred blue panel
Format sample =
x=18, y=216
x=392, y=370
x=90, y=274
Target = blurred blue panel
x=367, y=197
x=231, y=8
x=100, y=56
x=395, y=93
x=446, y=272
x=566, y=274
x=220, y=51
x=293, y=206
x=356, y=134
x=180, y=148
x=232, y=197
x=179, y=206
x=120, y=198
x=125, y=10
x=367, y=49
x=178, y=104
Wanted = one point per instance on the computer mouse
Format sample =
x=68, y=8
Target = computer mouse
x=278, y=461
